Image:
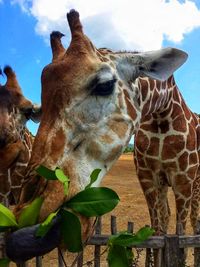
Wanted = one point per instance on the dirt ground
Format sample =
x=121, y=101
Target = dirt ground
x=132, y=207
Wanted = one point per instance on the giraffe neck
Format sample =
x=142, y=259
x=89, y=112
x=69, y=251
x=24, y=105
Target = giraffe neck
x=157, y=97
x=162, y=103
x=14, y=175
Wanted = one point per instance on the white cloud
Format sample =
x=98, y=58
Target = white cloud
x=119, y=24
x=24, y=4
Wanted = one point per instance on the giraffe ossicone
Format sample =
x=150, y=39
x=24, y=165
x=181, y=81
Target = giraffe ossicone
x=93, y=101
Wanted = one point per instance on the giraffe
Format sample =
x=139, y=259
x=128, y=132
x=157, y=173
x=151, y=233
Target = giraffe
x=15, y=139
x=93, y=101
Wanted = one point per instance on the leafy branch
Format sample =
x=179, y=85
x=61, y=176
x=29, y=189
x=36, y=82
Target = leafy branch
x=91, y=202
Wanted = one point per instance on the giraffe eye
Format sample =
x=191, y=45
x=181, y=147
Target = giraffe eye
x=104, y=89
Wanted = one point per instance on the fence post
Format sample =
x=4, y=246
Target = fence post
x=130, y=229
x=80, y=259
x=97, y=249
x=172, y=251
x=149, y=256
x=182, y=254
x=113, y=225
x=60, y=258
x=38, y=261
x=197, y=250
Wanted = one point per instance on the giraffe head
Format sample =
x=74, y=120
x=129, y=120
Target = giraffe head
x=15, y=111
x=90, y=103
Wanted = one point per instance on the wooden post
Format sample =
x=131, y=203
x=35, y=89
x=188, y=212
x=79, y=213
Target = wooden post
x=80, y=260
x=197, y=250
x=149, y=262
x=172, y=251
x=158, y=259
x=97, y=249
x=182, y=252
x=60, y=258
x=130, y=229
x=38, y=261
x=149, y=256
x=113, y=225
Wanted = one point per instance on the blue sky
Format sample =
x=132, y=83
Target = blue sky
x=26, y=24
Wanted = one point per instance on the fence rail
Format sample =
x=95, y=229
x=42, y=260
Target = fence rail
x=171, y=248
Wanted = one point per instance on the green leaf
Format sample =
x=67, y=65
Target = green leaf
x=94, y=201
x=7, y=218
x=127, y=239
x=93, y=177
x=46, y=225
x=122, y=239
x=66, y=188
x=71, y=231
x=129, y=255
x=30, y=214
x=63, y=179
x=4, y=262
x=117, y=257
x=46, y=173
x=61, y=176
x=143, y=234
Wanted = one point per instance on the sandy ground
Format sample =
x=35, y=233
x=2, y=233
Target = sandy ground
x=132, y=207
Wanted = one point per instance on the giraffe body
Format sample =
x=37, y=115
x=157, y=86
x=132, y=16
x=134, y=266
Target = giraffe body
x=15, y=139
x=13, y=174
x=93, y=101
x=167, y=152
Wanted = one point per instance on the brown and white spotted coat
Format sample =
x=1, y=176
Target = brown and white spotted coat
x=15, y=139
x=93, y=101
x=167, y=152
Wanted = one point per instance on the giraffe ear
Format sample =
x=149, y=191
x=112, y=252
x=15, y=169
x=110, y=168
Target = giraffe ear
x=161, y=64
x=158, y=65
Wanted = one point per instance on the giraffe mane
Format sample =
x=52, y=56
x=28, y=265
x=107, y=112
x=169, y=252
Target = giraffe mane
x=120, y=51
x=127, y=52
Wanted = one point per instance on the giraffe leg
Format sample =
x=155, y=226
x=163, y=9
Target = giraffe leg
x=164, y=221
x=194, y=215
x=156, y=198
x=164, y=208
x=153, y=206
x=195, y=204
x=183, y=200
x=182, y=189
